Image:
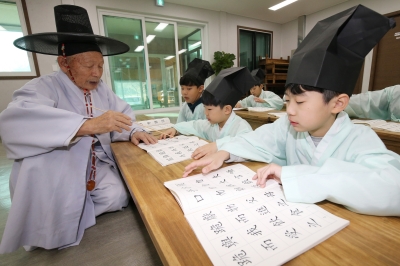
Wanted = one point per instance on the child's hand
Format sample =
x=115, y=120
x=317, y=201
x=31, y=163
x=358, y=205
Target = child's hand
x=259, y=100
x=202, y=151
x=238, y=105
x=168, y=133
x=210, y=163
x=271, y=171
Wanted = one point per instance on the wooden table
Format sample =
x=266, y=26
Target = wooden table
x=257, y=119
x=368, y=240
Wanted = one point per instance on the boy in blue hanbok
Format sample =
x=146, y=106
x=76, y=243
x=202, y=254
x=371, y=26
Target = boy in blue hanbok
x=316, y=152
x=383, y=104
x=259, y=97
x=192, y=86
x=221, y=122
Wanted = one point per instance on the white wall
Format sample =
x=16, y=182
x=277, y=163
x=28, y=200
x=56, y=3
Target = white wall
x=221, y=28
x=380, y=6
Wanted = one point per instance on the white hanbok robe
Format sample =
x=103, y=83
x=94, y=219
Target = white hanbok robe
x=50, y=204
x=185, y=114
x=350, y=166
x=383, y=104
x=272, y=101
x=234, y=126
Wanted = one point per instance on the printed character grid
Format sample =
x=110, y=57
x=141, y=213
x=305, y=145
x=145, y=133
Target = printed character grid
x=257, y=227
x=176, y=153
x=167, y=142
x=157, y=124
x=200, y=190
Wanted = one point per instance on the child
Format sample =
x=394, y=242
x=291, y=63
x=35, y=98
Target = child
x=220, y=123
x=259, y=97
x=192, y=86
x=383, y=104
x=316, y=152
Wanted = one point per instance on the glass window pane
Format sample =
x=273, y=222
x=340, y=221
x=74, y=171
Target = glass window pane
x=246, y=49
x=12, y=58
x=163, y=65
x=189, y=43
x=128, y=71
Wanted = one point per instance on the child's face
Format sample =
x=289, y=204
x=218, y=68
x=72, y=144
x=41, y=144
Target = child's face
x=256, y=90
x=216, y=115
x=191, y=93
x=309, y=112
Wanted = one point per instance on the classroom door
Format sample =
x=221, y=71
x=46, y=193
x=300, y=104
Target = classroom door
x=385, y=71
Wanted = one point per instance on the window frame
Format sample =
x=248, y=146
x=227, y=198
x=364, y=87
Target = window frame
x=26, y=30
x=254, y=30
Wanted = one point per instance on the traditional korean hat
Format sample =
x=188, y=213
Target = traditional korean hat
x=332, y=54
x=231, y=84
x=259, y=75
x=75, y=32
x=200, y=69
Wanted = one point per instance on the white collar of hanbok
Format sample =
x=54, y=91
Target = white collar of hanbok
x=329, y=142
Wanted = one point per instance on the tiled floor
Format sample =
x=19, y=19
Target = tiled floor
x=118, y=238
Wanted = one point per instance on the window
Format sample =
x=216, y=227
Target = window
x=253, y=43
x=147, y=77
x=15, y=63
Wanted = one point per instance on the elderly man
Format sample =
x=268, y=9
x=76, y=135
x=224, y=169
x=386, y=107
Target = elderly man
x=58, y=129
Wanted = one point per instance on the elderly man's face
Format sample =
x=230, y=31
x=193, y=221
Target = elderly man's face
x=86, y=68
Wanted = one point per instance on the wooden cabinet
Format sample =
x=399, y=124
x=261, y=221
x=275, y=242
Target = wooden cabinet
x=275, y=74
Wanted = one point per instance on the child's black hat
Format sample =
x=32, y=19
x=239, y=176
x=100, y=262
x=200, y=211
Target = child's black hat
x=259, y=75
x=200, y=69
x=231, y=84
x=332, y=54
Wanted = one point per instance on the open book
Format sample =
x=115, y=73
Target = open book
x=173, y=150
x=156, y=124
x=379, y=124
x=238, y=223
x=260, y=109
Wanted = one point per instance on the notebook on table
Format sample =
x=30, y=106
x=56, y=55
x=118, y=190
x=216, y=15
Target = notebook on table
x=238, y=223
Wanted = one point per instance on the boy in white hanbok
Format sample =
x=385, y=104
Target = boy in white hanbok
x=192, y=87
x=316, y=152
x=221, y=122
x=259, y=97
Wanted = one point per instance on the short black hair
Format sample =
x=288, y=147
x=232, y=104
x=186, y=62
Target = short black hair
x=297, y=89
x=209, y=99
x=191, y=80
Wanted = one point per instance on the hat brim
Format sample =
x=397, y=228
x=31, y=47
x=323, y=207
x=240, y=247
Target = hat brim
x=47, y=43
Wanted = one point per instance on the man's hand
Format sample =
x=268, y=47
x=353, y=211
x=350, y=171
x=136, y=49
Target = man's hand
x=202, y=151
x=238, y=105
x=143, y=136
x=168, y=133
x=271, y=171
x=259, y=100
x=211, y=162
x=107, y=122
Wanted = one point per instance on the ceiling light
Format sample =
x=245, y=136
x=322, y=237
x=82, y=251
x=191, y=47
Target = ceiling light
x=195, y=45
x=150, y=38
x=161, y=26
x=169, y=57
x=182, y=51
x=139, y=48
x=282, y=4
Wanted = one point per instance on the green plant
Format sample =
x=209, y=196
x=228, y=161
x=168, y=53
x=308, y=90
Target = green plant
x=222, y=60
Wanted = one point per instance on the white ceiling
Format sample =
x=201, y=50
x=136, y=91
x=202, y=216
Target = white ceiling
x=258, y=9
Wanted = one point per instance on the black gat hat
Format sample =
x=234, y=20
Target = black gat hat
x=75, y=31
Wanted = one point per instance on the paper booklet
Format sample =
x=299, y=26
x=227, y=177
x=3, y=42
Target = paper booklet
x=280, y=114
x=379, y=124
x=260, y=109
x=156, y=124
x=173, y=150
x=238, y=223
